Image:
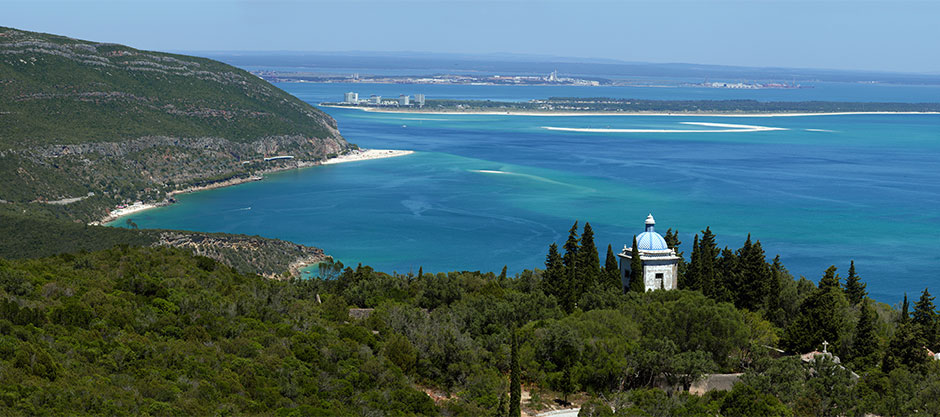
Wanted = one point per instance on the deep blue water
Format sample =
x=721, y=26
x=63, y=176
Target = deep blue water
x=486, y=191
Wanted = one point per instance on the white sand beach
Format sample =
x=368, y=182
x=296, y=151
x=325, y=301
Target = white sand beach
x=366, y=154
x=124, y=211
x=357, y=155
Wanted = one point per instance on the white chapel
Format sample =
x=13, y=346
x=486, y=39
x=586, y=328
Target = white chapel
x=660, y=263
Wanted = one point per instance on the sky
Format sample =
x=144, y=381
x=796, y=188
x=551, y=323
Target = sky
x=896, y=35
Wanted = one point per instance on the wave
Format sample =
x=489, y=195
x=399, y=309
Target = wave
x=819, y=130
x=723, y=128
x=531, y=177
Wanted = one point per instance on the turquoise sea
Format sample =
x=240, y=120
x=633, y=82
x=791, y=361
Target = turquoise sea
x=486, y=191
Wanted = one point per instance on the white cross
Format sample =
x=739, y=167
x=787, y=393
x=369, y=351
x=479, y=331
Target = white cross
x=825, y=346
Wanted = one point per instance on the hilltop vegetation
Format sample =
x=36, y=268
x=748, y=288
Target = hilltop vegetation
x=25, y=237
x=106, y=123
x=157, y=331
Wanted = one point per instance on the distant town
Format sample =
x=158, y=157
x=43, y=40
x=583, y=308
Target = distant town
x=444, y=79
x=403, y=100
x=746, y=86
x=552, y=78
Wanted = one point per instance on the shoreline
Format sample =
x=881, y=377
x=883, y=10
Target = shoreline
x=352, y=156
x=569, y=114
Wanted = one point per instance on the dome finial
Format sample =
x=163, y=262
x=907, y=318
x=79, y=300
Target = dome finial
x=650, y=222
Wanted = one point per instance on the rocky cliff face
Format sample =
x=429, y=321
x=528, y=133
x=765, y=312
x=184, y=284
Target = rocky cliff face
x=249, y=254
x=79, y=117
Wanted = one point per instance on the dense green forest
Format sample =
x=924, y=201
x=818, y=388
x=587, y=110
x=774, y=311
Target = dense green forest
x=604, y=104
x=158, y=331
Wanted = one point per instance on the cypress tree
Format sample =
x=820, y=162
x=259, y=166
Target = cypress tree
x=571, y=248
x=707, y=260
x=692, y=279
x=502, y=275
x=553, y=277
x=866, y=340
x=754, y=277
x=903, y=350
x=572, y=288
x=904, y=316
x=515, y=385
x=420, y=272
x=925, y=321
x=636, y=269
x=830, y=279
x=822, y=317
x=589, y=265
x=672, y=241
x=612, y=270
x=726, y=284
x=777, y=275
x=854, y=288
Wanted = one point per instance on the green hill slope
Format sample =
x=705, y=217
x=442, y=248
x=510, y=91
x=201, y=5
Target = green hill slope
x=26, y=237
x=79, y=117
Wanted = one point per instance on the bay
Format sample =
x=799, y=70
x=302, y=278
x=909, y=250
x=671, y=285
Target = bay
x=483, y=191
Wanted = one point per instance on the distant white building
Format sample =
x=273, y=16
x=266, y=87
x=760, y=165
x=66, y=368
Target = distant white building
x=660, y=263
x=403, y=100
x=419, y=100
x=374, y=99
x=351, y=97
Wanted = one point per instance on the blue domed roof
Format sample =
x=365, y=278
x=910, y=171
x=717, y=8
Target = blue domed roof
x=650, y=240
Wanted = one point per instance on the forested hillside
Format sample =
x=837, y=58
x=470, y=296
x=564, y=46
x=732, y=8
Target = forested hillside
x=25, y=237
x=157, y=331
x=86, y=125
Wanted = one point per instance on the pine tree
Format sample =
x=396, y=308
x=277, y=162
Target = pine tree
x=636, y=269
x=854, y=288
x=612, y=270
x=502, y=275
x=589, y=265
x=420, y=272
x=925, y=320
x=515, y=385
x=866, y=340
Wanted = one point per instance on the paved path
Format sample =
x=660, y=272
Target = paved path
x=572, y=412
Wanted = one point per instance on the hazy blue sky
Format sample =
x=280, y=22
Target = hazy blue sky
x=856, y=34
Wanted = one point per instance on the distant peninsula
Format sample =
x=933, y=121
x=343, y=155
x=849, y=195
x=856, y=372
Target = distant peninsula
x=613, y=106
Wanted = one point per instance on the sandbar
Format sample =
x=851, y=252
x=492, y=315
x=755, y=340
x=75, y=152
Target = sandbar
x=366, y=154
